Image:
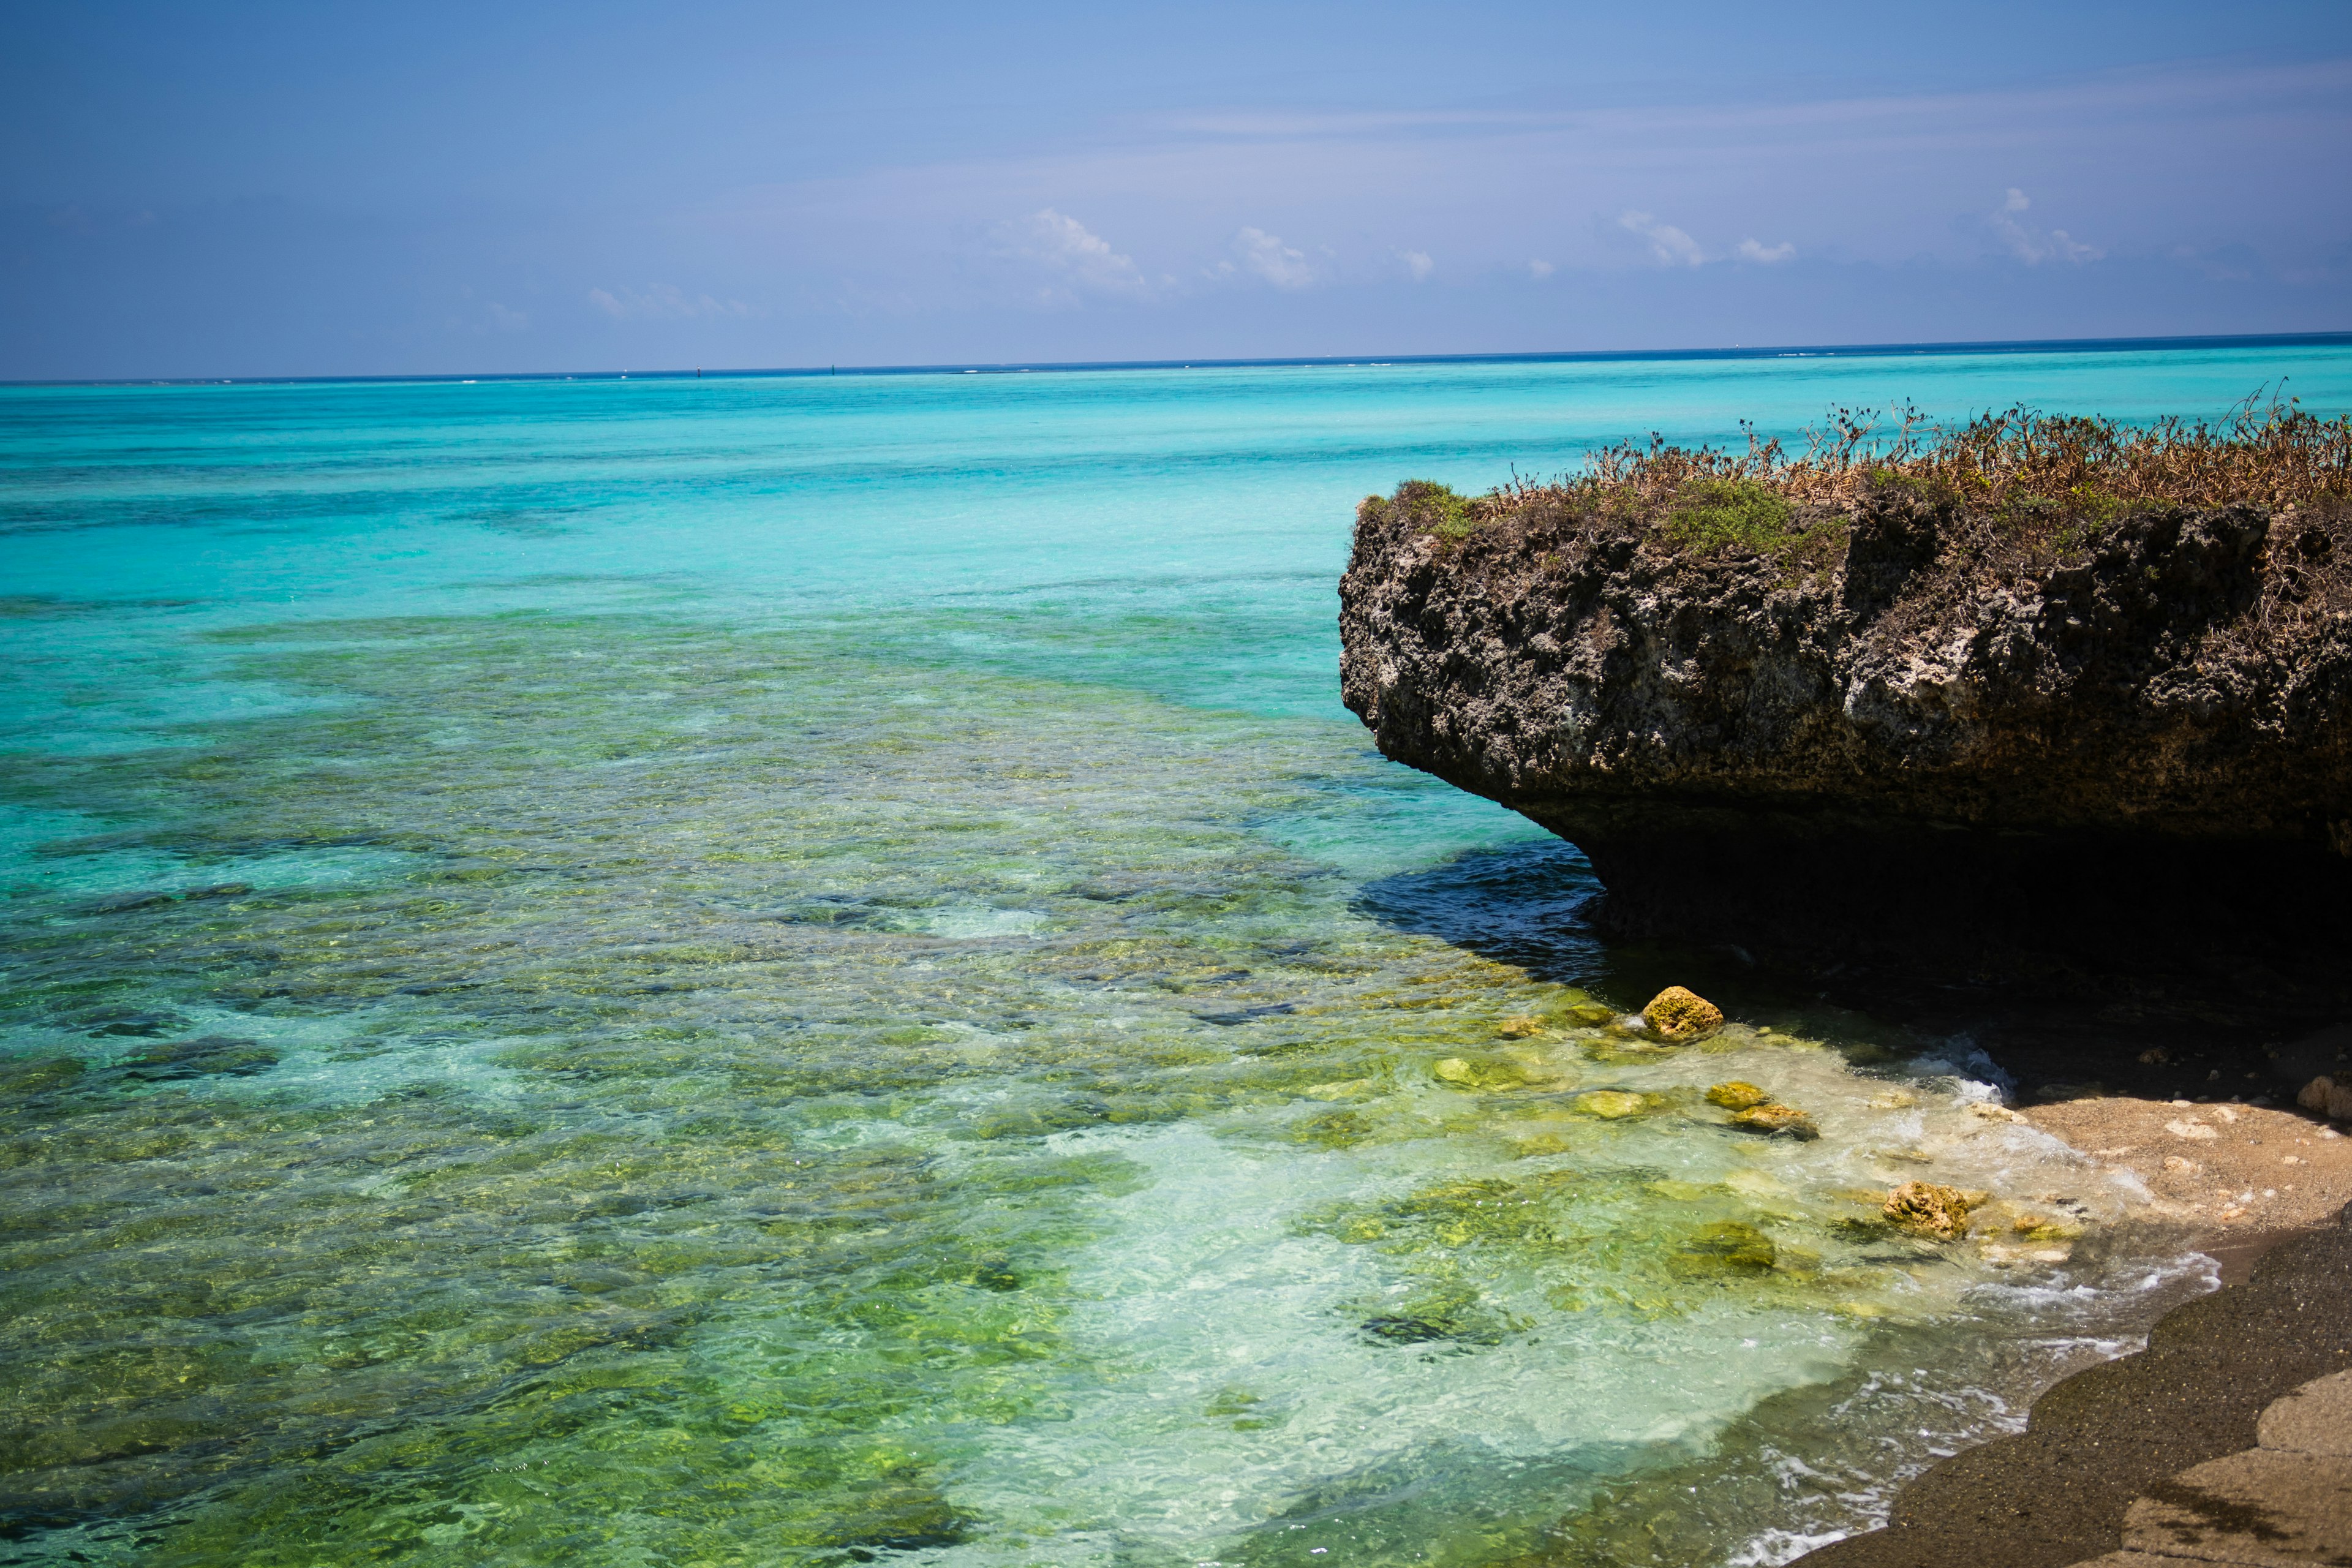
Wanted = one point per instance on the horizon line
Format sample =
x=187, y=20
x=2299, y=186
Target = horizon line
x=1015, y=368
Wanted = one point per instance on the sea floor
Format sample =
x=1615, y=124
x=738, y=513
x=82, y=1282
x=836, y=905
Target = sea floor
x=728, y=983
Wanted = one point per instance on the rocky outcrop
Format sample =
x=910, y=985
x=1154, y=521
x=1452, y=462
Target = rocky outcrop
x=2129, y=743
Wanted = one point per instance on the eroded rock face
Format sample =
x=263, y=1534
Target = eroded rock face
x=2145, y=740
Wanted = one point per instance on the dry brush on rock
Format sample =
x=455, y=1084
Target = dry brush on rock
x=2035, y=685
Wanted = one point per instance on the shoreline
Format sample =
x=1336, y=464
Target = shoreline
x=2056, y=1494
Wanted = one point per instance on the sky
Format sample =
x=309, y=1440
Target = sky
x=243, y=189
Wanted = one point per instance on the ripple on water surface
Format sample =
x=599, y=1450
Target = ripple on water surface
x=768, y=973
x=971, y=1128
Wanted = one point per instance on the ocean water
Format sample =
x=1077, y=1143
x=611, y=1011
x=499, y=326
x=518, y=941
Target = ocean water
x=808, y=969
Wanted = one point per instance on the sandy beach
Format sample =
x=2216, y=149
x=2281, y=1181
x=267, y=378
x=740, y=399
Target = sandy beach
x=2226, y=1171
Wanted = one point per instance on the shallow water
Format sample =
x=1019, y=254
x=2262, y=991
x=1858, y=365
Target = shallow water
x=779, y=970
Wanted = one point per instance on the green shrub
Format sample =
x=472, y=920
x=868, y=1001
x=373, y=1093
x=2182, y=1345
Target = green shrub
x=1437, y=508
x=1710, y=514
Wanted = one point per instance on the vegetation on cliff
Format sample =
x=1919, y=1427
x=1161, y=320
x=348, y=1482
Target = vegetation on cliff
x=2039, y=484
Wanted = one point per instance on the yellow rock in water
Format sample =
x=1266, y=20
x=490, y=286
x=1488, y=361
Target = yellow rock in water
x=1926, y=1209
x=1519, y=1028
x=1487, y=1073
x=1786, y=1120
x=2045, y=1228
x=1680, y=1015
x=1735, y=1095
x=1760, y=1184
x=1610, y=1104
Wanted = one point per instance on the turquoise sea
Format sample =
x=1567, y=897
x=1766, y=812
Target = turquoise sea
x=807, y=970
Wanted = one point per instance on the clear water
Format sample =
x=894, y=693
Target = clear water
x=802, y=970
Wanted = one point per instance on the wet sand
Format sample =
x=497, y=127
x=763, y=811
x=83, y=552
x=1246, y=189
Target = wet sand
x=2263, y=1191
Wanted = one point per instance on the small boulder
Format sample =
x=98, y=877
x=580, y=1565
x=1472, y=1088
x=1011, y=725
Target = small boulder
x=1785, y=1120
x=1735, y=1095
x=1677, y=1014
x=1923, y=1208
x=1519, y=1028
x=1612, y=1104
x=2315, y=1094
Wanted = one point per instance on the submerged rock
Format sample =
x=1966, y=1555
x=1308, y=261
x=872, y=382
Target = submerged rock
x=1683, y=1016
x=1735, y=1095
x=1612, y=1104
x=1617, y=1052
x=204, y=1056
x=1729, y=1246
x=1926, y=739
x=1923, y=1208
x=1486, y=1074
x=1783, y=1120
x=2047, y=1228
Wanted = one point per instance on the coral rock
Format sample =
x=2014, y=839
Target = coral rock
x=1923, y=745
x=1926, y=1209
x=1735, y=1095
x=1678, y=1014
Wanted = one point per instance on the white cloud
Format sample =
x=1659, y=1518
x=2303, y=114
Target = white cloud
x=1756, y=250
x=2032, y=246
x=664, y=302
x=507, y=320
x=1265, y=255
x=1083, y=258
x=1418, y=263
x=1539, y=269
x=2159, y=157
x=1669, y=245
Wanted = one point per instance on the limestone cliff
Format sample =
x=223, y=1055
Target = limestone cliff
x=2133, y=741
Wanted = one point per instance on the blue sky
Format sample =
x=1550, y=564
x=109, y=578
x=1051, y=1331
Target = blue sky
x=243, y=189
